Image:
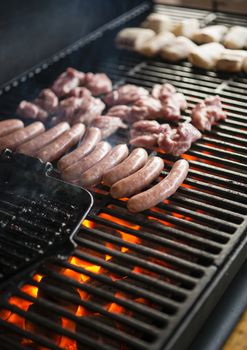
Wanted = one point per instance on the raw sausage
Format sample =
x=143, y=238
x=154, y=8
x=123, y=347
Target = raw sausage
x=32, y=146
x=139, y=180
x=10, y=125
x=20, y=136
x=74, y=171
x=162, y=190
x=90, y=140
x=136, y=160
x=62, y=144
x=93, y=176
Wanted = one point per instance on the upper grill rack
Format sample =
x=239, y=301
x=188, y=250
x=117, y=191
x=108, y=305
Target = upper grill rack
x=146, y=275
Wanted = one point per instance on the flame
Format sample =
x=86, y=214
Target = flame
x=163, y=222
x=88, y=223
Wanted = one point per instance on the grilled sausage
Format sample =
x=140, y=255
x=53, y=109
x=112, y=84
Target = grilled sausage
x=139, y=180
x=74, y=171
x=62, y=144
x=136, y=160
x=93, y=176
x=162, y=190
x=10, y=125
x=90, y=140
x=20, y=136
x=31, y=147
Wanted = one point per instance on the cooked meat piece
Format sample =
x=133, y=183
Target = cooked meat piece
x=47, y=100
x=133, y=38
x=209, y=34
x=186, y=28
x=154, y=45
x=139, y=180
x=9, y=126
x=172, y=106
x=62, y=144
x=74, y=171
x=206, y=56
x=207, y=113
x=31, y=111
x=92, y=137
x=178, y=140
x=163, y=91
x=88, y=111
x=108, y=125
x=68, y=107
x=146, y=127
x=136, y=160
x=178, y=49
x=231, y=61
x=121, y=111
x=236, y=38
x=67, y=81
x=145, y=133
x=163, y=190
x=125, y=95
x=15, y=139
x=80, y=92
x=31, y=147
x=146, y=107
x=145, y=140
x=98, y=83
x=158, y=22
x=94, y=175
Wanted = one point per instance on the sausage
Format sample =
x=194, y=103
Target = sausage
x=91, y=138
x=93, y=176
x=139, y=180
x=62, y=144
x=31, y=147
x=10, y=125
x=74, y=171
x=20, y=136
x=162, y=190
x=136, y=160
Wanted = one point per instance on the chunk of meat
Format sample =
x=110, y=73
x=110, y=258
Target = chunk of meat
x=31, y=111
x=145, y=133
x=145, y=127
x=80, y=92
x=163, y=91
x=98, y=83
x=172, y=107
x=178, y=49
x=125, y=95
x=88, y=111
x=68, y=108
x=67, y=81
x=147, y=107
x=178, y=140
x=207, y=113
x=121, y=111
x=209, y=34
x=47, y=100
x=108, y=125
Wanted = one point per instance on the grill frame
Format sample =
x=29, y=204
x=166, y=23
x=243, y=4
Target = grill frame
x=218, y=275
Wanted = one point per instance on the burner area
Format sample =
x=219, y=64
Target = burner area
x=144, y=281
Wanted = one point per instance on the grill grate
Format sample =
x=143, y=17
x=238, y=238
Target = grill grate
x=147, y=280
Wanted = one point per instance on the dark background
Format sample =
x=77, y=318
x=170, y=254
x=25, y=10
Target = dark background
x=33, y=30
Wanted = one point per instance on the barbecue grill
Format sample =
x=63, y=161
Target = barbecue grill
x=145, y=281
